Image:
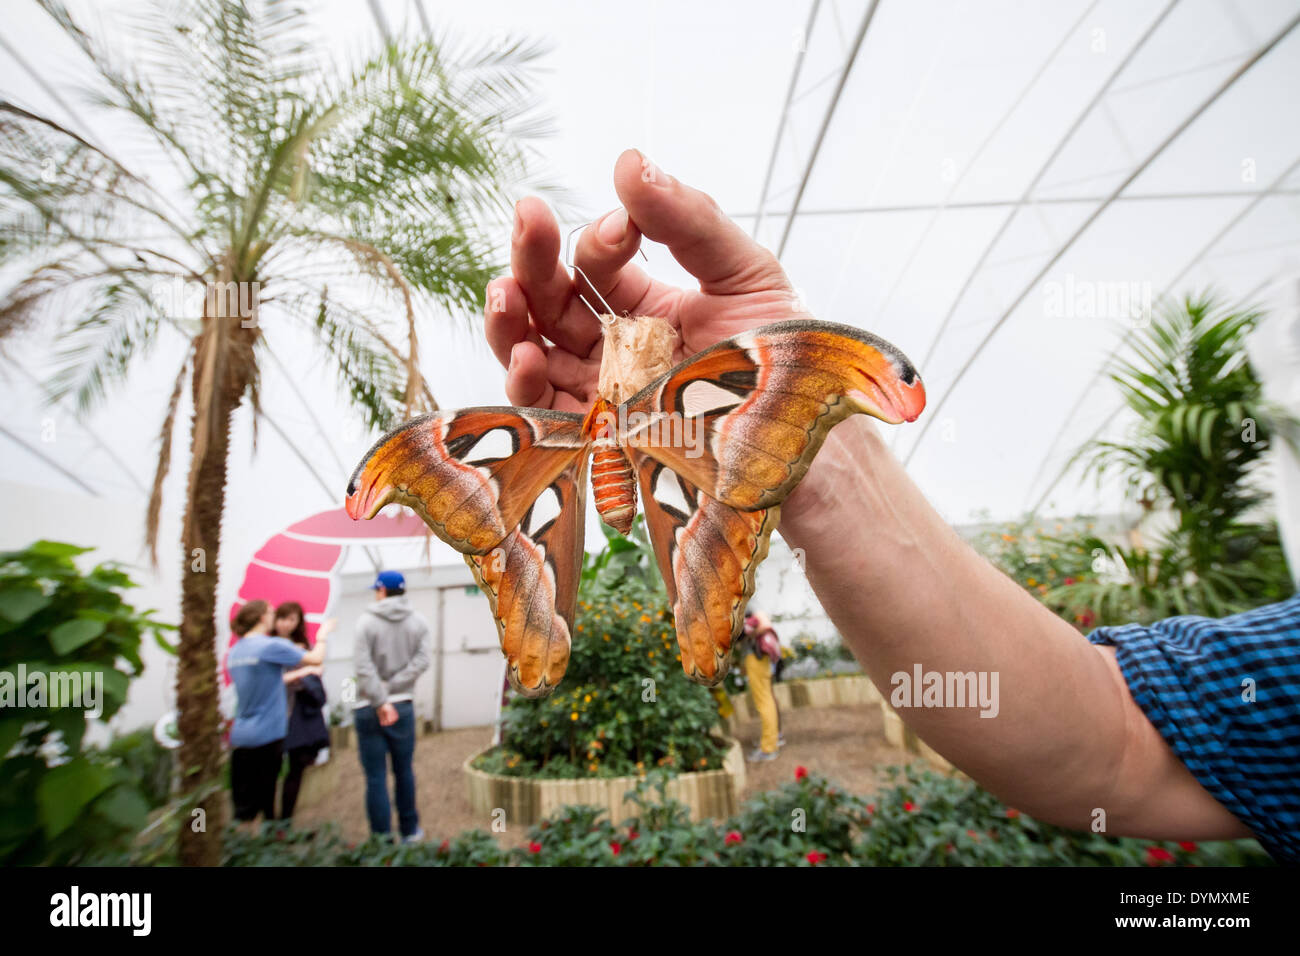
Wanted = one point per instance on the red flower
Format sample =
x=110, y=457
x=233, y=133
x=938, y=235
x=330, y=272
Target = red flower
x=910, y=807
x=632, y=835
x=732, y=838
x=1012, y=814
x=615, y=846
x=445, y=846
x=951, y=848
x=1069, y=580
x=871, y=808
x=814, y=857
x=1156, y=855
x=800, y=773
x=534, y=847
x=1189, y=846
x=972, y=834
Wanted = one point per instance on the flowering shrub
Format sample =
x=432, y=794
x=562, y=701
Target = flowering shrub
x=625, y=707
x=1047, y=562
x=922, y=818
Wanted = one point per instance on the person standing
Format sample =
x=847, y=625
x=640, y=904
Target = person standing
x=256, y=664
x=391, y=650
x=307, y=731
x=760, y=651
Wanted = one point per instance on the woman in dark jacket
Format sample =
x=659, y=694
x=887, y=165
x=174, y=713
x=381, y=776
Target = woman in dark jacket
x=307, y=730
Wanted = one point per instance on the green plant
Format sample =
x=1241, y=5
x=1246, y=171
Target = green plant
x=71, y=637
x=293, y=174
x=924, y=818
x=148, y=763
x=625, y=707
x=1202, y=431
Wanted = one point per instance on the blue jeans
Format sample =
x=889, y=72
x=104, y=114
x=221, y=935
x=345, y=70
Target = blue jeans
x=377, y=745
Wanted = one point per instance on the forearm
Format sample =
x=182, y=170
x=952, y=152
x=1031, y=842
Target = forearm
x=905, y=590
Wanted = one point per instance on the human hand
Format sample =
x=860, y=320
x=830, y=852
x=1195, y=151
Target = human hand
x=741, y=286
x=326, y=628
x=387, y=715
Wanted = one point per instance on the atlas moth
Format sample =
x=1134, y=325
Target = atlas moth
x=713, y=445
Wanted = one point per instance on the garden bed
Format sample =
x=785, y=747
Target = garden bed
x=526, y=800
x=833, y=691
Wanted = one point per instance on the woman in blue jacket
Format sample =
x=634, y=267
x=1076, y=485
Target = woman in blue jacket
x=307, y=730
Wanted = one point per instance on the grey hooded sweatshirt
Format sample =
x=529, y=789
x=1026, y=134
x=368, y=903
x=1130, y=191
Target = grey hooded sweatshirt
x=392, y=649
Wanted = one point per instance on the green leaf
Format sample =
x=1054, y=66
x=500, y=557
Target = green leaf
x=70, y=635
x=20, y=603
x=64, y=792
x=124, y=806
x=57, y=549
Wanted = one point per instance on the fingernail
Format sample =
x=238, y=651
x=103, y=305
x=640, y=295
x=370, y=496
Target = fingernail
x=612, y=229
x=519, y=222
x=650, y=173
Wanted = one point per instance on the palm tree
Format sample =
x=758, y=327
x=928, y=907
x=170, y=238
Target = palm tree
x=1191, y=460
x=271, y=172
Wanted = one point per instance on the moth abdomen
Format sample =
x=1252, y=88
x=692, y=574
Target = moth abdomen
x=614, y=485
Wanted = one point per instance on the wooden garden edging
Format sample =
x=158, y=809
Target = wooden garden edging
x=526, y=800
x=839, y=691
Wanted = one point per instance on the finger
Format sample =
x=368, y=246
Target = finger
x=526, y=382
x=604, y=251
x=572, y=374
x=699, y=235
x=505, y=318
x=535, y=262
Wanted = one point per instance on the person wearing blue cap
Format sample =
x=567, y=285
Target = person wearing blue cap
x=391, y=650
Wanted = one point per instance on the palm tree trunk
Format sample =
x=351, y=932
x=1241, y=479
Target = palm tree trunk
x=196, y=673
x=224, y=349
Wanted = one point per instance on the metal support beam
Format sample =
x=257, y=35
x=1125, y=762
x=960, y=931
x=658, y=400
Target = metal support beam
x=1182, y=127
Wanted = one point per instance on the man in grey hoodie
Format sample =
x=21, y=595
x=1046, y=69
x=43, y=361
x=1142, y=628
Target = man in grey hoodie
x=390, y=651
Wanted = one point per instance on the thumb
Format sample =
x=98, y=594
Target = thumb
x=696, y=231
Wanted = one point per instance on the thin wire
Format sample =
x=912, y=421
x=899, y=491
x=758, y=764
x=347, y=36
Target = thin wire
x=569, y=263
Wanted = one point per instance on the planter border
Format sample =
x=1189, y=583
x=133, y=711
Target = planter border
x=837, y=690
x=527, y=800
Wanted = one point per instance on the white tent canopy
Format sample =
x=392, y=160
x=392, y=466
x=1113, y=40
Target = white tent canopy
x=972, y=181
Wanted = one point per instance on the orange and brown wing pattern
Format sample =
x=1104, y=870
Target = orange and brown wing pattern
x=707, y=554
x=531, y=580
x=744, y=419
x=472, y=474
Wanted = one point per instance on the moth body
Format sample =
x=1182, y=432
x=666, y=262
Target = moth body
x=612, y=479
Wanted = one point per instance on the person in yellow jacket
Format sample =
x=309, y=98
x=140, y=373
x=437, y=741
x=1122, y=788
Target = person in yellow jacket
x=760, y=651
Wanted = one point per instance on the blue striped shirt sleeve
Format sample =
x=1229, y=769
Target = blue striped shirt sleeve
x=1225, y=695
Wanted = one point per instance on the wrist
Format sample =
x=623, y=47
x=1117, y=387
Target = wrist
x=817, y=506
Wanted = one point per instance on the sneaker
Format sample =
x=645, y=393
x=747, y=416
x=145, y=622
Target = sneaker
x=759, y=756
x=416, y=837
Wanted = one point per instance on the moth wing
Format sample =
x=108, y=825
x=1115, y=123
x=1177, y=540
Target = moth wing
x=531, y=579
x=707, y=553
x=471, y=474
x=744, y=419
